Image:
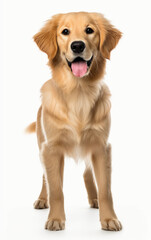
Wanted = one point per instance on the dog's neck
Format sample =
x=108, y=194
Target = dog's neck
x=67, y=82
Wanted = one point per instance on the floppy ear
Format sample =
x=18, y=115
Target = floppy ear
x=112, y=37
x=46, y=39
x=109, y=36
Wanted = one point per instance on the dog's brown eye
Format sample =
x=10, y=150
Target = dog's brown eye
x=65, y=32
x=89, y=30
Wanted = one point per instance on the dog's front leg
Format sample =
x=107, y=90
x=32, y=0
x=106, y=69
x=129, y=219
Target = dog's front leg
x=53, y=161
x=101, y=160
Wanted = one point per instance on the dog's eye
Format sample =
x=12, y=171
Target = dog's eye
x=65, y=32
x=89, y=30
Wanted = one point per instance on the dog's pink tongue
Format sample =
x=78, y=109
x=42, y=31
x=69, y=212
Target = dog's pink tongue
x=79, y=69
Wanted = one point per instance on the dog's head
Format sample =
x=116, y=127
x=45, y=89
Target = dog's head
x=78, y=40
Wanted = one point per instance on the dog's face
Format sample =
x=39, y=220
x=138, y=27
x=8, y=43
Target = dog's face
x=78, y=39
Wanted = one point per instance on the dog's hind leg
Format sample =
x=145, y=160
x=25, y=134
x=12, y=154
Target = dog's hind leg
x=41, y=202
x=90, y=187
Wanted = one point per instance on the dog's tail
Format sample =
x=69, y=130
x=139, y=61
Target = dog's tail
x=31, y=128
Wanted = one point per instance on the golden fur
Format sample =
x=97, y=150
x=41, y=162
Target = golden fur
x=75, y=114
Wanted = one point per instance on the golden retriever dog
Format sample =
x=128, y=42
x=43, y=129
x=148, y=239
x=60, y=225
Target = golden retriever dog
x=74, y=116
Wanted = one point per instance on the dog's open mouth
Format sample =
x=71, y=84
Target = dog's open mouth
x=79, y=66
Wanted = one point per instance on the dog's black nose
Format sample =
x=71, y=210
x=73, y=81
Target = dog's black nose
x=77, y=46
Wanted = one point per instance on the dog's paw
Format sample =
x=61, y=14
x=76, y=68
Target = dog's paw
x=93, y=203
x=55, y=225
x=40, y=204
x=111, y=225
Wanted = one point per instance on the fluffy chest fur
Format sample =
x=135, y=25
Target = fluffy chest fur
x=73, y=109
x=75, y=119
x=80, y=104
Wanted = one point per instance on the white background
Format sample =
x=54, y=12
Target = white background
x=129, y=78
